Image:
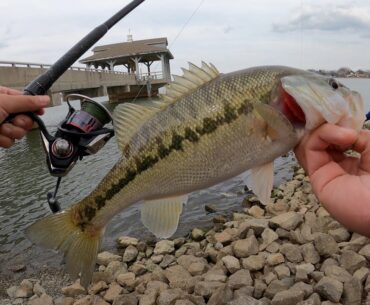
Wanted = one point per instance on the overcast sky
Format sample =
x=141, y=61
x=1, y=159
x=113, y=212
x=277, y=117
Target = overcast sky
x=232, y=35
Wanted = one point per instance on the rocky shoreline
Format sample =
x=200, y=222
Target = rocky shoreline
x=290, y=252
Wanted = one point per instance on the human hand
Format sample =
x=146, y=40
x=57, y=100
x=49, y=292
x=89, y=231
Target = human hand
x=12, y=101
x=341, y=182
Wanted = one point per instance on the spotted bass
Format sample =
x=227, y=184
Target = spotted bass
x=206, y=128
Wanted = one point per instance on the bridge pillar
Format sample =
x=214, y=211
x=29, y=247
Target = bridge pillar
x=56, y=98
x=103, y=91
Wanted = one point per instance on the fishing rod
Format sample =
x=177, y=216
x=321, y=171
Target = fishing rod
x=82, y=132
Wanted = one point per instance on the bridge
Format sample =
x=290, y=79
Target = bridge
x=102, y=80
x=88, y=81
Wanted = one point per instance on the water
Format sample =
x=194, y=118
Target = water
x=25, y=182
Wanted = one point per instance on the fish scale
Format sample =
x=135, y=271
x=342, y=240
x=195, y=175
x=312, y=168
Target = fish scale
x=209, y=127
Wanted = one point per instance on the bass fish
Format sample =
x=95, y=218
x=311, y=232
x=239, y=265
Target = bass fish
x=206, y=128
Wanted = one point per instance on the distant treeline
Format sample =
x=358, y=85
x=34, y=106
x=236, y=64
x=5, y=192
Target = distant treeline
x=344, y=72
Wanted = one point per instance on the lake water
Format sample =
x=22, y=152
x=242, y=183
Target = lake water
x=25, y=182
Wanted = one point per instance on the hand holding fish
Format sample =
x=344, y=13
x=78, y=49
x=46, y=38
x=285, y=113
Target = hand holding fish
x=341, y=182
x=12, y=101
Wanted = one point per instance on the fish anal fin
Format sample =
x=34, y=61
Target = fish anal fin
x=80, y=248
x=260, y=181
x=161, y=216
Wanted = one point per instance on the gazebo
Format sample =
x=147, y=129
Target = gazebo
x=132, y=54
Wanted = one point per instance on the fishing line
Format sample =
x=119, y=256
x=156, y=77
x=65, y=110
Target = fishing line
x=174, y=40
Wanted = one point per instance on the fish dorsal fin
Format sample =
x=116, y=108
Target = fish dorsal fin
x=191, y=80
x=161, y=216
x=128, y=118
x=260, y=181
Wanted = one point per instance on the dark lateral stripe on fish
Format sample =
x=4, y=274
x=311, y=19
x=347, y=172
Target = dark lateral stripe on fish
x=209, y=126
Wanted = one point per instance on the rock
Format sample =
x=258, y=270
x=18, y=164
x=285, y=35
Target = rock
x=256, y=211
x=11, y=291
x=310, y=255
x=338, y=273
x=66, y=301
x=329, y=288
x=197, y=234
x=86, y=300
x=179, y=277
x=352, y=292
x=365, y=251
x=282, y=271
x=239, y=216
x=257, y=225
x=351, y=261
x=104, y=258
x=149, y=298
x=17, y=268
x=157, y=258
x=244, y=291
x=361, y=274
x=268, y=236
x=221, y=296
x=25, y=289
x=292, y=252
x=223, y=237
x=157, y=286
x=274, y=287
x=245, y=247
x=38, y=289
x=325, y=244
x=231, y=263
x=167, y=260
x=73, y=290
x=103, y=276
x=206, y=289
x=138, y=268
x=340, y=234
x=245, y=300
x=44, y=299
x=217, y=273
x=288, y=221
x=126, y=299
x=130, y=254
x=197, y=268
x=275, y=259
x=259, y=288
x=127, y=279
x=113, y=292
x=288, y=297
x=184, y=302
x=254, y=262
x=164, y=247
x=98, y=287
x=125, y=241
x=239, y=279
x=306, y=288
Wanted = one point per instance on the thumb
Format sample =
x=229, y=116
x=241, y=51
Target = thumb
x=21, y=103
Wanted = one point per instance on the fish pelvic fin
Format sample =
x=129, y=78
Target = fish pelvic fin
x=80, y=246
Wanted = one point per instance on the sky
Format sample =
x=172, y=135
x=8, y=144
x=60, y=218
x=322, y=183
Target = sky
x=233, y=35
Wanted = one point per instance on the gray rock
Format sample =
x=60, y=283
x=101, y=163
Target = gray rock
x=127, y=279
x=86, y=300
x=183, y=302
x=256, y=211
x=73, y=290
x=275, y=259
x=352, y=292
x=306, y=288
x=365, y=251
x=239, y=279
x=361, y=274
x=325, y=244
x=157, y=286
x=104, y=258
x=245, y=300
x=98, y=287
x=288, y=297
x=329, y=288
x=197, y=268
x=257, y=225
x=245, y=247
x=274, y=287
x=217, y=274
x=259, y=288
x=44, y=299
x=113, y=292
x=206, y=289
x=282, y=271
x=221, y=296
x=288, y=221
x=254, y=262
x=126, y=299
x=340, y=234
x=11, y=291
x=25, y=289
x=68, y=301
x=167, y=260
x=138, y=268
x=274, y=247
x=223, y=237
x=130, y=254
x=197, y=234
x=168, y=297
x=149, y=298
x=303, y=270
x=292, y=252
x=351, y=261
x=310, y=255
x=179, y=277
x=231, y=263
x=164, y=247
x=268, y=236
x=244, y=291
x=338, y=273
x=125, y=241
x=38, y=289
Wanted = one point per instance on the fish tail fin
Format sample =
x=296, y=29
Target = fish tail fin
x=80, y=247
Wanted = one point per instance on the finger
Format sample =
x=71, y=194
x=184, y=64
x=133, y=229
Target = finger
x=5, y=141
x=23, y=121
x=9, y=91
x=11, y=131
x=21, y=103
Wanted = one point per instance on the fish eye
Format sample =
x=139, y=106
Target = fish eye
x=333, y=83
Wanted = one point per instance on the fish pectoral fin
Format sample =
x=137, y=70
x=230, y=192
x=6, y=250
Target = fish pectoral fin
x=260, y=181
x=278, y=126
x=161, y=216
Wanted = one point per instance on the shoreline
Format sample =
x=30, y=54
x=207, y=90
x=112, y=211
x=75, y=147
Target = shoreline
x=288, y=252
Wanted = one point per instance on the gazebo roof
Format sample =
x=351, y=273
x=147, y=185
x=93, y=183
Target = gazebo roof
x=147, y=49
